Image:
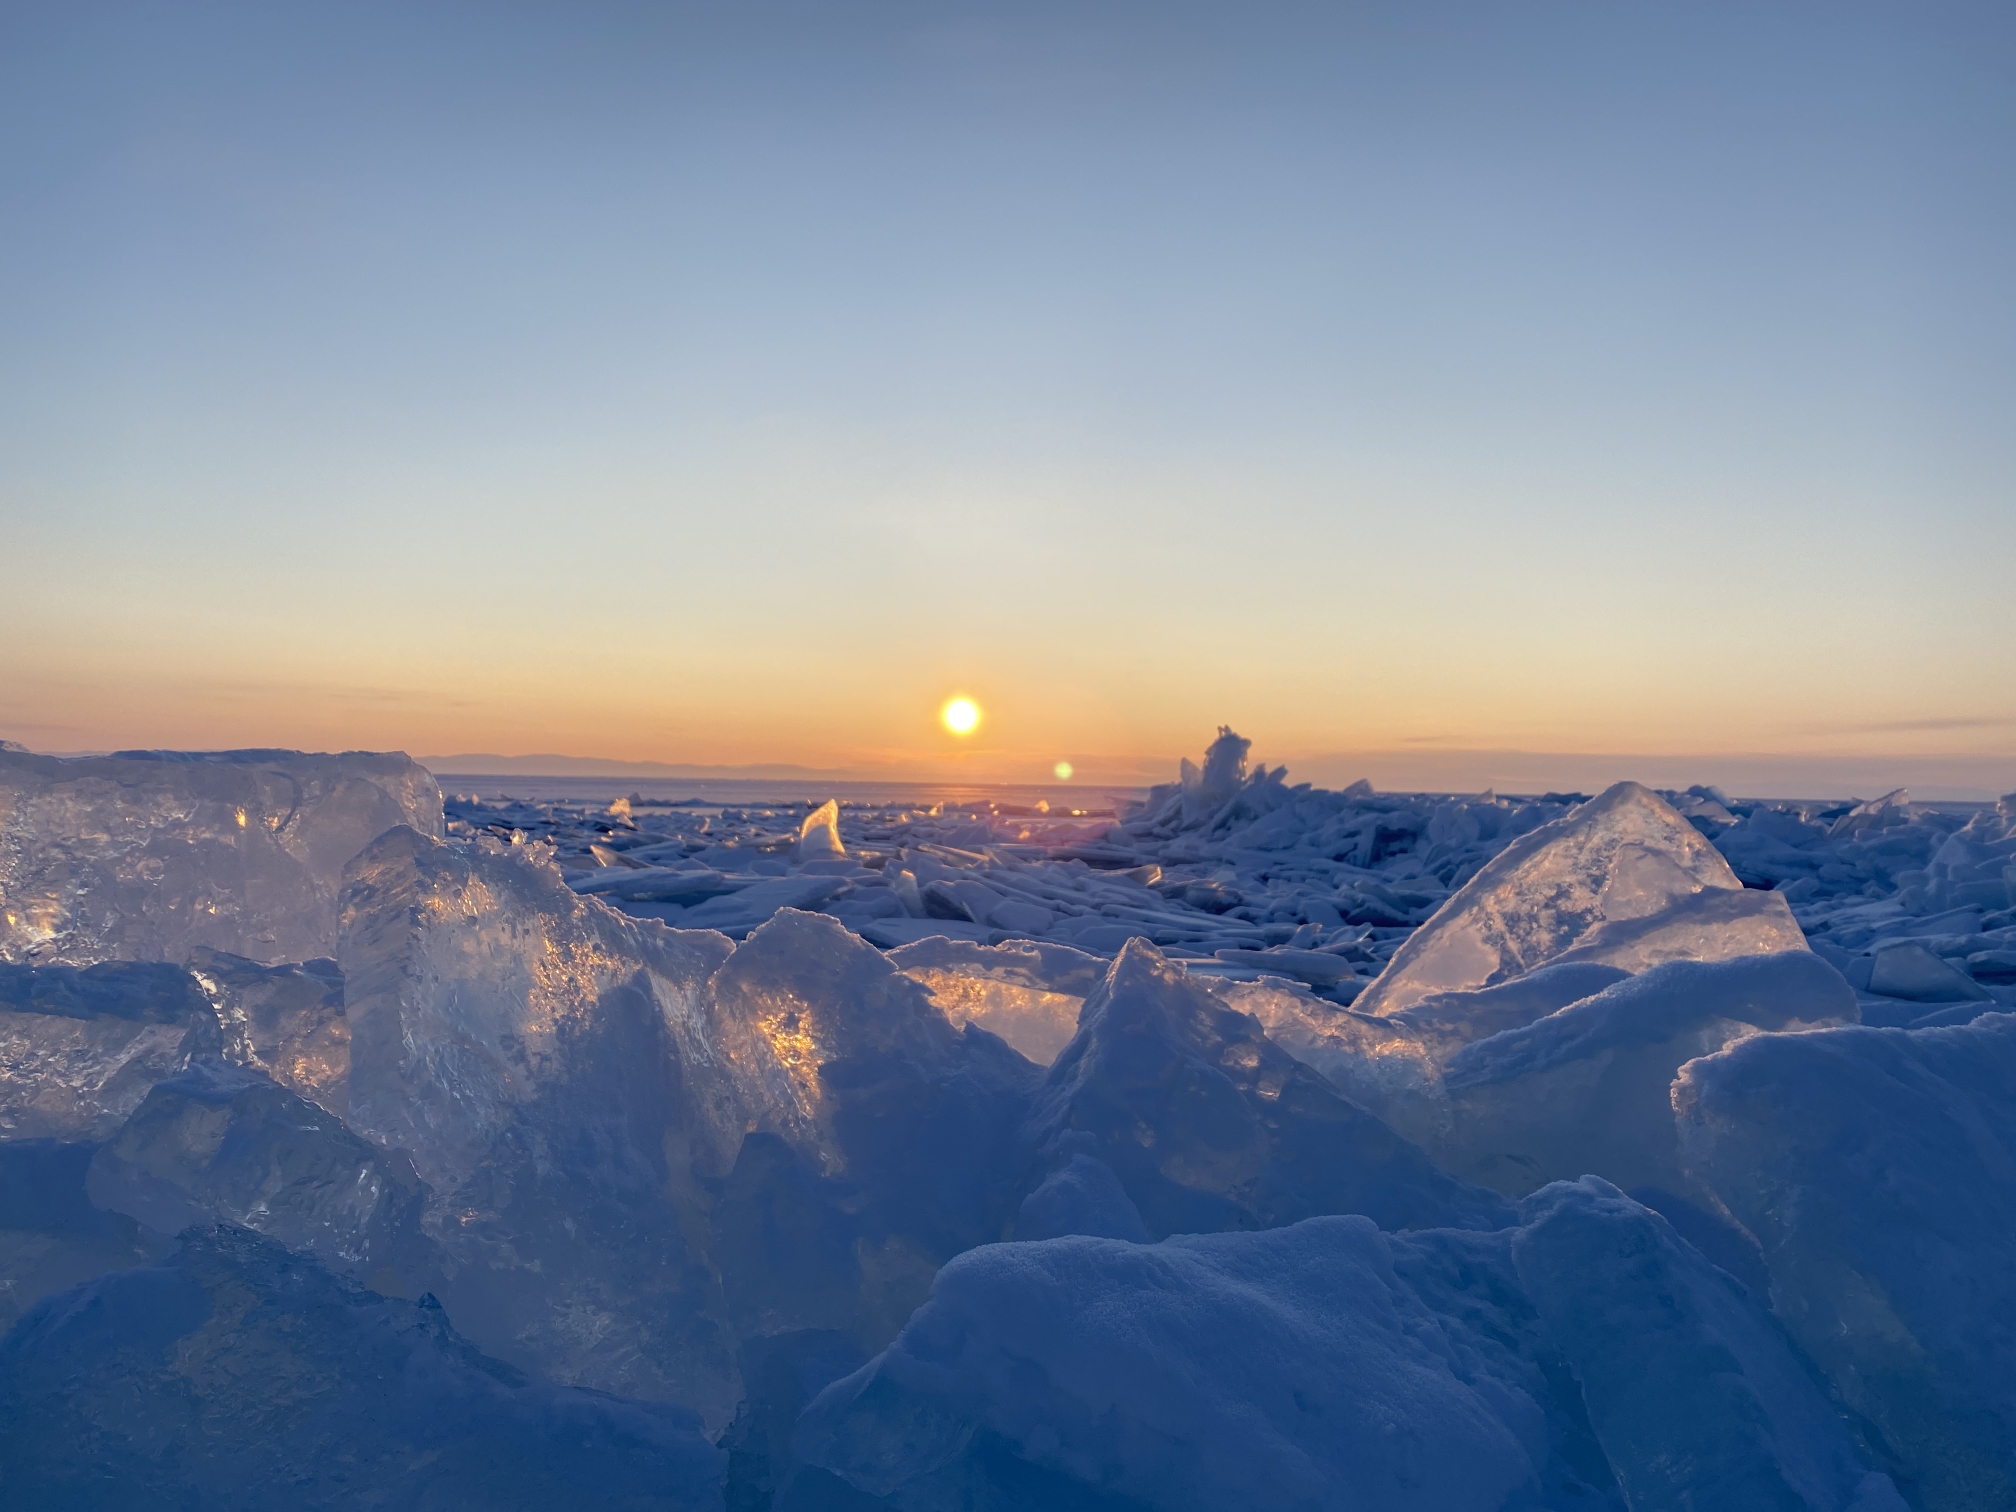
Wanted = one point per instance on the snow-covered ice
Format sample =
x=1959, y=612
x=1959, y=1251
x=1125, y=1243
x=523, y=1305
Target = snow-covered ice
x=1587, y=1358
x=1287, y=1368
x=239, y=1373
x=1877, y=1170
x=1243, y=876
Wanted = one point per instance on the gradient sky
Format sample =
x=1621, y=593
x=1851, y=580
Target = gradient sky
x=729, y=383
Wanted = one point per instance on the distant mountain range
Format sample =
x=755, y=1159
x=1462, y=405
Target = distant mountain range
x=486, y=764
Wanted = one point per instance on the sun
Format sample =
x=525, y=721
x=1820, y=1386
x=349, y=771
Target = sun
x=961, y=716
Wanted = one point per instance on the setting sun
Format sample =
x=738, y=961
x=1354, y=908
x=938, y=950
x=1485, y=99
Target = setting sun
x=961, y=716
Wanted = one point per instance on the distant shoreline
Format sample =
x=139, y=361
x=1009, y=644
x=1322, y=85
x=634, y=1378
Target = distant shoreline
x=781, y=791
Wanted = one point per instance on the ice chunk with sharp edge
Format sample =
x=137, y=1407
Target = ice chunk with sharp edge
x=226, y=1143
x=1911, y=971
x=1622, y=880
x=1690, y=1386
x=819, y=835
x=1027, y=992
x=1210, y=1125
x=146, y=856
x=1587, y=1088
x=79, y=1049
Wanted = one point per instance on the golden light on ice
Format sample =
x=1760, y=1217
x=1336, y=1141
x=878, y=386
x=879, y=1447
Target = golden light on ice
x=961, y=716
x=1063, y=769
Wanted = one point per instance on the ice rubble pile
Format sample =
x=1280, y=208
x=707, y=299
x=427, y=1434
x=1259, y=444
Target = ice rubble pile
x=1259, y=1146
x=1226, y=866
x=1241, y=875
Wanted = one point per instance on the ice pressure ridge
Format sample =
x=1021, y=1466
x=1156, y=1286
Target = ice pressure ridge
x=1246, y=1144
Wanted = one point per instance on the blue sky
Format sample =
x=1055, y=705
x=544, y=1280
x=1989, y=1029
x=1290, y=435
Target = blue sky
x=731, y=383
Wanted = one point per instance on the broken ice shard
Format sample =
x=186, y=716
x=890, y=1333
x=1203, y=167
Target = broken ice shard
x=287, y=1021
x=467, y=974
x=79, y=1049
x=1210, y=1125
x=898, y=1142
x=226, y=1143
x=551, y=1068
x=151, y=855
x=819, y=835
x=1623, y=881
x=1026, y=991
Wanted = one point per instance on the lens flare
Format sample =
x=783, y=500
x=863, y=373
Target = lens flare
x=1063, y=769
x=961, y=716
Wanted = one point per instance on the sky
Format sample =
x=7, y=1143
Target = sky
x=1411, y=386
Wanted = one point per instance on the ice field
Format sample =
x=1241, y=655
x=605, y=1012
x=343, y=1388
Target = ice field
x=1236, y=1144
